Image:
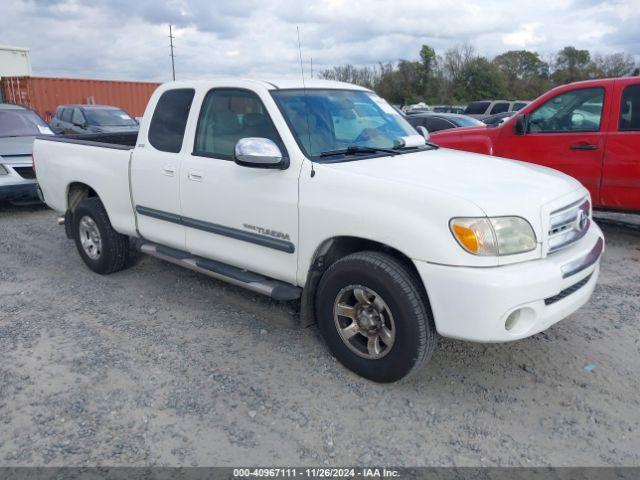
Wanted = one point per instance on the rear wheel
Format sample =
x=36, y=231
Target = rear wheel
x=102, y=248
x=375, y=317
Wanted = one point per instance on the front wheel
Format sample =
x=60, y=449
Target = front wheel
x=375, y=317
x=102, y=248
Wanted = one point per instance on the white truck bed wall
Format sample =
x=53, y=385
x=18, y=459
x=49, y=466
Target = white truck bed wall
x=105, y=170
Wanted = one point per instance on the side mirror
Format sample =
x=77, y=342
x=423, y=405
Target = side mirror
x=256, y=152
x=520, y=125
x=423, y=131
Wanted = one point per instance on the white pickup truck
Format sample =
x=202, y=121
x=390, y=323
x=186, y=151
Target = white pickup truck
x=322, y=193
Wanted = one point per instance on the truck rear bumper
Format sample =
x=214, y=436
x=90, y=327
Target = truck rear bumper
x=500, y=304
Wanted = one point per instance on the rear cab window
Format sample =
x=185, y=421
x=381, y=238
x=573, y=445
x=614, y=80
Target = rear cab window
x=169, y=120
x=630, y=109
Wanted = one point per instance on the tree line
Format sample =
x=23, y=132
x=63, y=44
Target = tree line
x=461, y=75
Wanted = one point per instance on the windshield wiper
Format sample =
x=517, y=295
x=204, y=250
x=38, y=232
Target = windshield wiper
x=355, y=149
x=426, y=144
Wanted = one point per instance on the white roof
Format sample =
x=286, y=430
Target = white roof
x=293, y=82
x=274, y=83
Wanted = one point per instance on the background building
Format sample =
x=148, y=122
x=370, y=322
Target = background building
x=14, y=62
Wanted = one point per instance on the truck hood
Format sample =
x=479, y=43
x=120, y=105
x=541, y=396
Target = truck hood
x=458, y=132
x=498, y=186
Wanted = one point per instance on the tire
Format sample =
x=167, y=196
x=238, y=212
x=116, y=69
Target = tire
x=390, y=302
x=111, y=253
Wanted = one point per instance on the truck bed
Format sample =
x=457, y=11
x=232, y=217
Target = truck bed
x=99, y=161
x=119, y=141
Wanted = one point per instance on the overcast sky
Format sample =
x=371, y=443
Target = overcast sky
x=127, y=39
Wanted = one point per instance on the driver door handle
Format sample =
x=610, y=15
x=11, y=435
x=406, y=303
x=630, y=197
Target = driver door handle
x=168, y=170
x=583, y=146
x=195, y=176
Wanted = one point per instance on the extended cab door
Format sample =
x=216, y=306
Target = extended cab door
x=155, y=169
x=566, y=131
x=621, y=171
x=245, y=217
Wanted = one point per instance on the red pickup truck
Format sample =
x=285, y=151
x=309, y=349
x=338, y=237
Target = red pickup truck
x=589, y=130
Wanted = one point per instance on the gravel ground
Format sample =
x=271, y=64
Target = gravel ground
x=157, y=365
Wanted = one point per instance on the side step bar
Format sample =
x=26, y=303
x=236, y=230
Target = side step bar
x=242, y=278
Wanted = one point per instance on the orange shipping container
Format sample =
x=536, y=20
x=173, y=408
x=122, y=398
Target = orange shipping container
x=44, y=94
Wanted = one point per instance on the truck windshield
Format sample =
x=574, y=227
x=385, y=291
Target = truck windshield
x=108, y=117
x=22, y=123
x=329, y=122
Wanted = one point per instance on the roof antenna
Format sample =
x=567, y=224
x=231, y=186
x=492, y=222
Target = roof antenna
x=304, y=88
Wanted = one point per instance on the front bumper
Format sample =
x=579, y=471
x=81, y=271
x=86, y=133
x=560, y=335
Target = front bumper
x=14, y=187
x=477, y=304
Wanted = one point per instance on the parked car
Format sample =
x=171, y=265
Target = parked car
x=92, y=119
x=498, y=118
x=416, y=108
x=589, y=130
x=449, y=109
x=376, y=232
x=18, y=128
x=484, y=108
x=434, y=122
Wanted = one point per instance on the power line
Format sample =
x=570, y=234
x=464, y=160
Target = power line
x=173, y=65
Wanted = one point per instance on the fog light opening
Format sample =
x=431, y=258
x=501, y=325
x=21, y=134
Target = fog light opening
x=512, y=320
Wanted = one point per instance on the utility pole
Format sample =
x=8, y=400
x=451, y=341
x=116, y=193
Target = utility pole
x=173, y=65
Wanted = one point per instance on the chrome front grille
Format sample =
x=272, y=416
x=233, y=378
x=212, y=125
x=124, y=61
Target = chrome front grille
x=568, y=225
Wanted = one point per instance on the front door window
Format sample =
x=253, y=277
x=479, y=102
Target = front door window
x=574, y=111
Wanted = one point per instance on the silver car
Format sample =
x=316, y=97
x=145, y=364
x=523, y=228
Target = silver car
x=19, y=126
x=484, y=108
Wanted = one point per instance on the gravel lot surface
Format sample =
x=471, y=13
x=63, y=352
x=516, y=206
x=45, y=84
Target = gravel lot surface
x=157, y=365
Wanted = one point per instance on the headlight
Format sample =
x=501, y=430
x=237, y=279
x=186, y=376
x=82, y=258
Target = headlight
x=493, y=236
x=3, y=171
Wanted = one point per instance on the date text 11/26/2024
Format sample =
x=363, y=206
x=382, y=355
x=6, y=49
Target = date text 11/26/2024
x=315, y=472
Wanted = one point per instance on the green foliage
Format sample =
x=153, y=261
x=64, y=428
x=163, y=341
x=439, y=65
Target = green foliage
x=479, y=78
x=614, y=65
x=524, y=73
x=571, y=65
x=462, y=76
